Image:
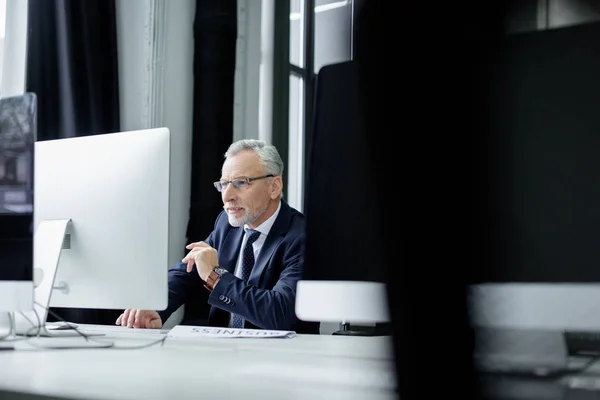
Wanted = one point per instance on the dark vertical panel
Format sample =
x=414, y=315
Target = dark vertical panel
x=422, y=118
x=215, y=35
x=309, y=80
x=281, y=79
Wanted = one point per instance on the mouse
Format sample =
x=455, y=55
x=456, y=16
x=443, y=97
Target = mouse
x=62, y=326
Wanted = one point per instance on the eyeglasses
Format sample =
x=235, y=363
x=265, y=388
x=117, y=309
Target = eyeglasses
x=238, y=183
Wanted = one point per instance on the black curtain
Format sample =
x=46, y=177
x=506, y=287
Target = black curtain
x=215, y=35
x=72, y=68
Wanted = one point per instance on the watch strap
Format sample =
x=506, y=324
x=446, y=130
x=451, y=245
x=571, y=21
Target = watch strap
x=212, y=279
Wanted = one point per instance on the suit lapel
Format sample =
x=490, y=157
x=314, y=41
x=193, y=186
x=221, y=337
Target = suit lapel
x=274, y=237
x=230, y=250
x=263, y=257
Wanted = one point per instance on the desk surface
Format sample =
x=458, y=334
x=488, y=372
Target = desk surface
x=304, y=367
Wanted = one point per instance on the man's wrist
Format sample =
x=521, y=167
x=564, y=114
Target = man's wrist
x=213, y=278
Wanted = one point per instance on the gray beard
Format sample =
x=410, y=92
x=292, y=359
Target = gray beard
x=246, y=218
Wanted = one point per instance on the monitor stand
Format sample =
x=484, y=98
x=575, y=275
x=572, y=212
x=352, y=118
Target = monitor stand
x=348, y=329
x=48, y=243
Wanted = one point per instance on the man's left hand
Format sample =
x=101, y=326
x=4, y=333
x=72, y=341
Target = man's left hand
x=204, y=256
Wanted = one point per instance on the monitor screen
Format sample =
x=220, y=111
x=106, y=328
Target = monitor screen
x=17, y=136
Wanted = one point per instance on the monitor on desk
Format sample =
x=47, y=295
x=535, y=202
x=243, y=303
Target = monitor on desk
x=341, y=283
x=17, y=135
x=102, y=221
x=542, y=239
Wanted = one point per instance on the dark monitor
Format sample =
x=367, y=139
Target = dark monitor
x=543, y=141
x=17, y=136
x=340, y=204
x=542, y=129
x=343, y=237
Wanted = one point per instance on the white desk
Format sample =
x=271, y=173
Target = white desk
x=304, y=367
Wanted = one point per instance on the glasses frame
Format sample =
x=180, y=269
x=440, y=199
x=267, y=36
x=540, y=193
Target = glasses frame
x=244, y=181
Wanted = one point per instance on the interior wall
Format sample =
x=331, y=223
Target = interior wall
x=14, y=49
x=246, y=111
x=156, y=49
x=155, y=39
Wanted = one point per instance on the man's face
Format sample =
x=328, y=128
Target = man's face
x=247, y=204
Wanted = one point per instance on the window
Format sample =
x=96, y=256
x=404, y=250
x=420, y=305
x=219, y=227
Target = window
x=296, y=142
x=317, y=38
x=333, y=32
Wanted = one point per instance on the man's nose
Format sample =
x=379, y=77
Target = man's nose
x=228, y=193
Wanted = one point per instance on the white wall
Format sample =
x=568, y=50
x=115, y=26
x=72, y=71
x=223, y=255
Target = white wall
x=14, y=49
x=155, y=41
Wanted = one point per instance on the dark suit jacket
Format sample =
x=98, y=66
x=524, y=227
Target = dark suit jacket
x=267, y=300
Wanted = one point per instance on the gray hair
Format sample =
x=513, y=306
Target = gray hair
x=267, y=154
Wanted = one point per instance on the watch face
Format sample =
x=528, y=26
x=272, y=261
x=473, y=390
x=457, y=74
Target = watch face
x=220, y=271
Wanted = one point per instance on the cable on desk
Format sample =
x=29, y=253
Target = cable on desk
x=586, y=366
x=29, y=334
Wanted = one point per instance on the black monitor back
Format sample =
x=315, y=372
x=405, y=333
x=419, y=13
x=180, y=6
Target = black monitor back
x=543, y=137
x=342, y=223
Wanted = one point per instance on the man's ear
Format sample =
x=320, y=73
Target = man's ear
x=277, y=187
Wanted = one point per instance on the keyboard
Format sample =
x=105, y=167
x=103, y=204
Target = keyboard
x=45, y=342
x=116, y=329
x=582, y=343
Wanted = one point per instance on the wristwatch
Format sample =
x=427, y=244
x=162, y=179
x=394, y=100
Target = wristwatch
x=214, y=277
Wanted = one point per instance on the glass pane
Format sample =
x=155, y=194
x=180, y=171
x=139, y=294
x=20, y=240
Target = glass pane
x=297, y=32
x=333, y=32
x=2, y=28
x=295, y=165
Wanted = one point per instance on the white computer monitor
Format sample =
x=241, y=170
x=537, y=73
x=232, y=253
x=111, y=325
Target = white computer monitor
x=101, y=219
x=526, y=305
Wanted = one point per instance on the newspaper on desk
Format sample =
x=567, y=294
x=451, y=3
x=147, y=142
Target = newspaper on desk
x=190, y=332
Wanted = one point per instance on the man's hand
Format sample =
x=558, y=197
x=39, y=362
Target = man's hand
x=145, y=319
x=204, y=256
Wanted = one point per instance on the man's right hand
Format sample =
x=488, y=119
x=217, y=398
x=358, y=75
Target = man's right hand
x=145, y=319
